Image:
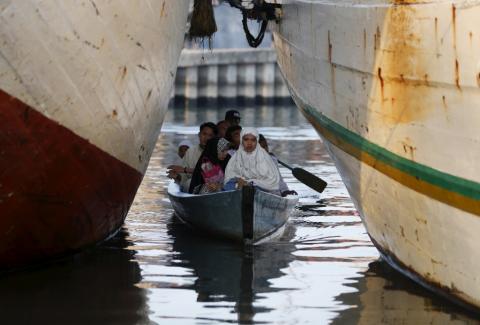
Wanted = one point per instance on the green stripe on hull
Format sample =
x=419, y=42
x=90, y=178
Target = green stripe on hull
x=449, y=189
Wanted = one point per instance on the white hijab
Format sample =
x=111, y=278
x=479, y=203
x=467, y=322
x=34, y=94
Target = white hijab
x=256, y=166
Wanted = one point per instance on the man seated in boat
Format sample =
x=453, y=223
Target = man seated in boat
x=233, y=136
x=222, y=127
x=232, y=117
x=252, y=165
x=262, y=141
x=209, y=173
x=183, y=173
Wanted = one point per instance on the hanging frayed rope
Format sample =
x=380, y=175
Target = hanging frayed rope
x=253, y=41
x=202, y=23
x=260, y=11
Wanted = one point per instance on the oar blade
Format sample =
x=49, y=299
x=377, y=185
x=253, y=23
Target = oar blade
x=309, y=179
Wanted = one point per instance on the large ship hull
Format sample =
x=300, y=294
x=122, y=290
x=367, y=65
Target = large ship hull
x=84, y=88
x=392, y=87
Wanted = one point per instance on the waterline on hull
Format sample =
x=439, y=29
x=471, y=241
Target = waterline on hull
x=449, y=189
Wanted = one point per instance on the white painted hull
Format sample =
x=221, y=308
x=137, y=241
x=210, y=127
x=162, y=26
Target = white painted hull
x=103, y=69
x=393, y=89
x=84, y=87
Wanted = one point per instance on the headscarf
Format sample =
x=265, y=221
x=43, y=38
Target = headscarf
x=256, y=166
x=186, y=143
x=213, y=147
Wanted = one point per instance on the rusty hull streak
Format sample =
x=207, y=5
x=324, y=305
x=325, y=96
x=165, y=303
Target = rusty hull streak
x=332, y=67
x=452, y=293
x=402, y=78
x=454, y=35
x=162, y=12
x=124, y=72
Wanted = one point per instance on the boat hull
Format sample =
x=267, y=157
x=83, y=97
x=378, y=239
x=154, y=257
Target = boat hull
x=391, y=89
x=83, y=92
x=243, y=216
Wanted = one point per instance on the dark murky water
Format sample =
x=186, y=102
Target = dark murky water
x=323, y=270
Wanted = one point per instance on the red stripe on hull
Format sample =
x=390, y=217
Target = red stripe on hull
x=58, y=192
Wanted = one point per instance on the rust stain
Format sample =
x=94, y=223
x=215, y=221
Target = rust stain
x=478, y=79
x=408, y=148
x=437, y=51
x=114, y=113
x=403, y=79
x=162, y=12
x=124, y=72
x=332, y=66
x=454, y=26
x=149, y=94
x=457, y=74
x=444, y=101
x=329, y=48
x=364, y=42
x=382, y=85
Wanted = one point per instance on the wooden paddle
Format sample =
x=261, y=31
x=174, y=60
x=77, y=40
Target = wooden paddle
x=306, y=178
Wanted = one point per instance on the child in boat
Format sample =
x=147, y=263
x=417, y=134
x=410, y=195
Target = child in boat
x=183, y=147
x=251, y=164
x=209, y=171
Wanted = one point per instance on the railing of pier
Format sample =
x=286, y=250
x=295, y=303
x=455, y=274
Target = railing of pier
x=237, y=76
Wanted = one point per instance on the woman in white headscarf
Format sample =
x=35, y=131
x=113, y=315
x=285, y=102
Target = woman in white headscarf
x=252, y=164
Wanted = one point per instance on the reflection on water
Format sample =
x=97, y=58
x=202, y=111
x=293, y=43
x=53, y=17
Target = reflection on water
x=382, y=297
x=228, y=273
x=323, y=270
x=94, y=287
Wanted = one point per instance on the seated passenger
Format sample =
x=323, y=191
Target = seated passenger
x=209, y=172
x=251, y=164
x=182, y=173
x=232, y=117
x=233, y=136
x=222, y=127
x=183, y=147
x=283, y=186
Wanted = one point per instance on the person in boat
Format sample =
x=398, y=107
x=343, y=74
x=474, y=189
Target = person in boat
x=233, y=136
x=222, y=127
x=183, y=173
x=262, y=141
x=232, y=117
x=251, y=164
x=209, y=173
x=183, y=147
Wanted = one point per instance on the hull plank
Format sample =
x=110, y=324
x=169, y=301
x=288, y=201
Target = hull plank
x=392, y=88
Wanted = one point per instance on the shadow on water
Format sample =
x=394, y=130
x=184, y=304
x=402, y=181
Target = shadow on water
x=94, y=287
x=231, y=273
x=382, y=296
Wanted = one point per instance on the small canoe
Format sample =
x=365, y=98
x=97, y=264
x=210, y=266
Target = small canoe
x=248, y=215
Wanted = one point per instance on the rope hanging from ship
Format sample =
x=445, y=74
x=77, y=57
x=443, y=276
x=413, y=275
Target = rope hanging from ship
x=203, y=23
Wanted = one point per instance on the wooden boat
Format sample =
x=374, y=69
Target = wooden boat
x=248, y=215
x=84, y=87
x=393, y=89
